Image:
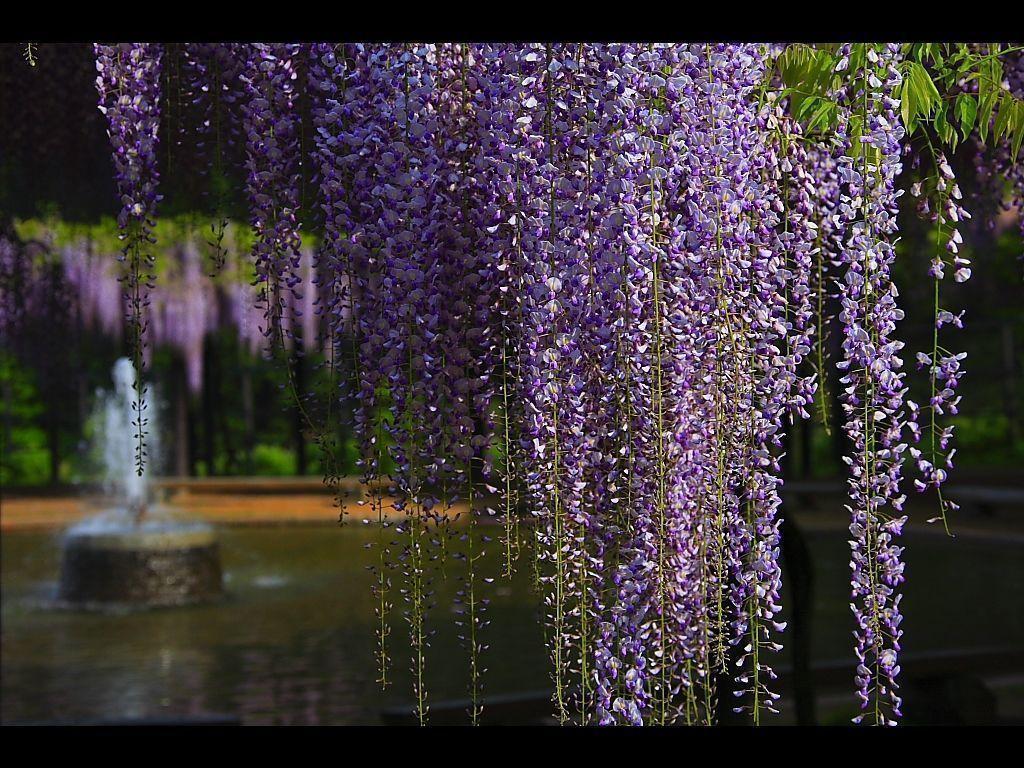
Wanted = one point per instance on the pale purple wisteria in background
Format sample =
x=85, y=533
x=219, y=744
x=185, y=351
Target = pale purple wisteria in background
x=99, y=297
x=15, y=277
x=184, y=306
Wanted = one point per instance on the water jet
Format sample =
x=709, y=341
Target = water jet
x=136, y=554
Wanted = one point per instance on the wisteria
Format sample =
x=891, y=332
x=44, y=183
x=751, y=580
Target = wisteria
x=129, y=93
x=873, y=382
x=583, y=290
x=215, y=89
x=272, y=159
x=944, y=371
x=15, y=272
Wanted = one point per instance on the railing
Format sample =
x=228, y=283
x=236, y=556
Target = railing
x=918, y=669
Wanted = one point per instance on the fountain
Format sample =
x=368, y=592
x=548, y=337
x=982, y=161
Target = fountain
x=136, y=553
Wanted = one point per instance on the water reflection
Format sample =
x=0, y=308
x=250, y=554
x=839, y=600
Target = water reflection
x=293, y=641
x=291, y=644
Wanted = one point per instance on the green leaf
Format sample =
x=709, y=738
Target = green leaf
x=942, y=126
x=822, y=116
x=908, y=106
x=855, y=131
x=966, y=112
x=1002, y=120
x=989, y=76
x=929, y=86
x=805, y=106
x=1016, y=124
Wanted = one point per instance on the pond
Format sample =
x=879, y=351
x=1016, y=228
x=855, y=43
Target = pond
x=293, y=643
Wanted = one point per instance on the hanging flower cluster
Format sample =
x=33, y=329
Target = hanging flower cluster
x=873, y=395
x=215, y=89
x=595, y=280
x=563, y=196
x=943, y=366
x=271, y=128
x=129, y=94
x=327, y=71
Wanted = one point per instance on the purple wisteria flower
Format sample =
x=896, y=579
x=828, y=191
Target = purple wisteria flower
x=214, y=86
x=942, y=205
x=271, y=126
x=873, y=396
x=593, y=280
x=128, y=83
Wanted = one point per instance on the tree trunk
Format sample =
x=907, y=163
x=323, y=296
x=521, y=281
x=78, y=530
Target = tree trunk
x=1009, y=381
x=208, y=396
x=181, y=436
x=53, y=438
x=249, y=438
x=298, y=363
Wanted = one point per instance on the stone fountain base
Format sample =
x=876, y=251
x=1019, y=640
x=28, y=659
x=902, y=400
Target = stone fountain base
x=166, y=565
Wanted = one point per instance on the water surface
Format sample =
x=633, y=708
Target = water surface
x=293, y=643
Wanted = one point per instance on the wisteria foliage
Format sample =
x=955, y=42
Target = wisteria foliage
x=583, y=289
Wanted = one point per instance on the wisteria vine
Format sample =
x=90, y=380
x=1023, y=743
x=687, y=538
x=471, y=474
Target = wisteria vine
x=583, y=289
x=128, y=82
